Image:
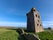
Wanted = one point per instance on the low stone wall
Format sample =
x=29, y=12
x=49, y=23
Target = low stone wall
x=27, y=36
x=30, y=36
x=20, y=31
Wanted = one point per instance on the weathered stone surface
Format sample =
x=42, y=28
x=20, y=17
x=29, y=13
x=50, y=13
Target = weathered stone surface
x=26, y=36
x=20, y=31
x=34, y=23
x=30, y=37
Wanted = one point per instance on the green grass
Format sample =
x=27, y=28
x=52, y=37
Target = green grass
x=47, y=35
x=6, y=34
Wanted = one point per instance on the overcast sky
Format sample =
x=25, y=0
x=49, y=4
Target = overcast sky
x=13, y=12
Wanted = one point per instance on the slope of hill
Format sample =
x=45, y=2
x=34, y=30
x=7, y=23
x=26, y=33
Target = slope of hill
x=8, y=34
x=47, y=35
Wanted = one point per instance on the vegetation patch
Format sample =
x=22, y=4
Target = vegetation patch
x=47, y=35
x=8, y=34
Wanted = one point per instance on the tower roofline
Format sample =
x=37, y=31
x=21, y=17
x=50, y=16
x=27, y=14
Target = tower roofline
x=33, y=9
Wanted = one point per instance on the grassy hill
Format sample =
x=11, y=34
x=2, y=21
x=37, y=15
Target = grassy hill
x=8, y=34
x=47, y=35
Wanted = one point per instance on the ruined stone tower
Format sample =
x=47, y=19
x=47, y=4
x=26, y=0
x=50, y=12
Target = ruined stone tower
x=34, y=23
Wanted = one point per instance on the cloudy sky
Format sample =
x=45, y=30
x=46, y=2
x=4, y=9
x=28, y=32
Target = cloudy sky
x=13, y=12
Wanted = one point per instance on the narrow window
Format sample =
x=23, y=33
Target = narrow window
x=33, y=9
x=36, y=15
x=37, y=24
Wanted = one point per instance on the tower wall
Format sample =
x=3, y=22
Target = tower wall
x=34, y=23
x=38, y=23
x=30, y=22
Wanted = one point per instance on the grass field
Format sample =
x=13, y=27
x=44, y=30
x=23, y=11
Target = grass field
x=7, y=34
x=47, y=35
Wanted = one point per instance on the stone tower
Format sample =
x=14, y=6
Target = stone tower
x=34, y=23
